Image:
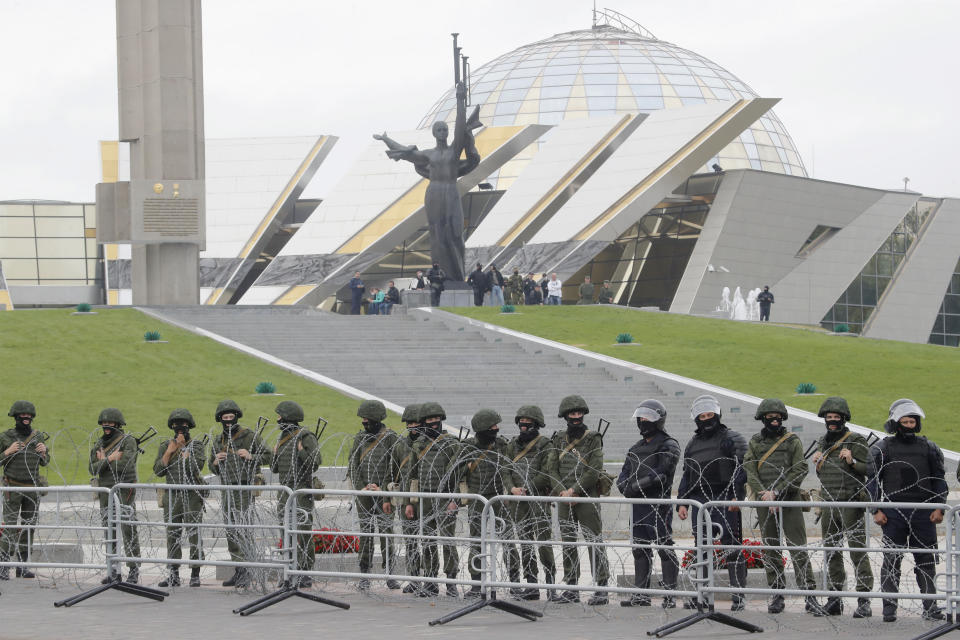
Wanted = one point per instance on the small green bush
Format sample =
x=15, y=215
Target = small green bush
x=841, y=328
x=806, y=387
x=83, y=307
x=266, y=387
x=624, y=338
x=152, y=336
x=507, y=308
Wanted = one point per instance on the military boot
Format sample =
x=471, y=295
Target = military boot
x=776, y=605
x=452, y=591
x=549, y=577
x=599, y=598
x=110, y=577
x=428, y=590
x=393, y=584
x=195, y=576
x=813, y=607
x=25, y=573
x=863, y=608
x=833, y=606
x=411, y=587
x=473, y=592
x=236, y=579
x=565, y=597
x=5, y=574
x=134, y=576
x=529, y=593
x=173, y=580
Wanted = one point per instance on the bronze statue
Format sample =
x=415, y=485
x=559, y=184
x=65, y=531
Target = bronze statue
x=442, y=165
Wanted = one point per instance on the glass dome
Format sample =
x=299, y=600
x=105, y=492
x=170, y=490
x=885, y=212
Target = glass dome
x=609, y=69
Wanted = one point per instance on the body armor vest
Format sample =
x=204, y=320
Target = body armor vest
x=905, y=470
x=709, y=469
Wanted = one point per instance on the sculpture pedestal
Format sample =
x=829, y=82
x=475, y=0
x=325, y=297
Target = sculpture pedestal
x=456, y=294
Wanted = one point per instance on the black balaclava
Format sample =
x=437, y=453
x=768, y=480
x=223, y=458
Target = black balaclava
x=487, y=436
x=181, y=427
x=287, y=426
x=773, y=426
x=908, y=435
x=109, y=432
x=22, y=425
x=413, y=431
x=371, y=426
x=528, y=431
x=708, y=426
x=575, y=427
x=229, y=425
x=432, y=429
x=647, y=429
x=835, y=429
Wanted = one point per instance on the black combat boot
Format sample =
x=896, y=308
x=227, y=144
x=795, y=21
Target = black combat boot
x=411, y=587
x=550, y=577
x=5, y=574
x=599, y=598
x=195, y=576
x=813, y=607
x=429, y=590
x=833, y=606
x=641, y=573
x=529, y=593
x=25, y=573
x=776, y=605
x=234, y=580
x=303, y=582
x=737, y=572
x=863, y=608
x=473, y=592
x=452, y=591
x=565, y=597
x=173, y=580
x=134, y=576
x=393, y=584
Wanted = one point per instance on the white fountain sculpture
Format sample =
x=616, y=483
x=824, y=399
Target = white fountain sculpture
x=753, y=307
x=739, y=311
x=725, y=304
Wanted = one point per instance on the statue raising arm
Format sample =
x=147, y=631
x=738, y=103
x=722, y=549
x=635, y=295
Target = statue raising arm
x=410, y=153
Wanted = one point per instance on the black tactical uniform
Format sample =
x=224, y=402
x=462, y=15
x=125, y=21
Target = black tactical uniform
x=713, y=470
x=909, y=468
x=648, y=473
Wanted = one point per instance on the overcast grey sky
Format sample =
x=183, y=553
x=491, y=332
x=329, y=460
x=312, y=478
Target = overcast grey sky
x=869, y=88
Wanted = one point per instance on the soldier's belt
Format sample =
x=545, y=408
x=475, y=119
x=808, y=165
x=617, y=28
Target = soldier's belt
x=17, y=483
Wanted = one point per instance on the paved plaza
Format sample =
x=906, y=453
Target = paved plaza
x=206, y=612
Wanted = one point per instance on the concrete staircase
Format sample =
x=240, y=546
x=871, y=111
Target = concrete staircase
x=432, y=355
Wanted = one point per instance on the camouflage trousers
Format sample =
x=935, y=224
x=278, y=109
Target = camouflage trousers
x=18, y=508
x=582, y=517
x=183, y=507
x=302, y=520
x=835, y=525
x=372, y=518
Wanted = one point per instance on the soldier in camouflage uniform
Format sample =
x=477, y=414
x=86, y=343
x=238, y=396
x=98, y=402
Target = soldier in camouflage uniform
x=373, y=464
x=486, y=472
x=180, y=460
x=775, y=468
x=295, y=459
x=410, y=526
x=579, y=464
x=113, y=459
x=515, y=288
x=22, y=453
x=435, y=455
x=236, y=455
x=532, y=460
x=843, y=463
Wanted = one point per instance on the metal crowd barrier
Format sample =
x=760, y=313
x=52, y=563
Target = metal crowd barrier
x=700, y=573
x=59, y=524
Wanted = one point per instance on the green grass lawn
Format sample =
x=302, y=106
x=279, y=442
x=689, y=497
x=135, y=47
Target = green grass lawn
x=71, y=367
x=764, y=360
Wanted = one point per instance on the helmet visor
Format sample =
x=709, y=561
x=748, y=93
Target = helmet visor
x=647, y=414
x=909, y=408
x=704, y=404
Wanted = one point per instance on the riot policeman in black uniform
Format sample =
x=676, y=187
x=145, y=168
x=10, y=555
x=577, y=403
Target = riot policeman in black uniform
x=909, y=469
x=713, y=470
x=648, y=473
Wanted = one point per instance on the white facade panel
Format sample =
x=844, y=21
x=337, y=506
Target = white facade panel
x=656, y=139
x=568, y=144
x=262, y=295
x=245, y=176
x=372, y=184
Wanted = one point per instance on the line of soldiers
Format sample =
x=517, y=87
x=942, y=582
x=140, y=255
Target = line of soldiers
x=718, y=464
x=432, y=461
